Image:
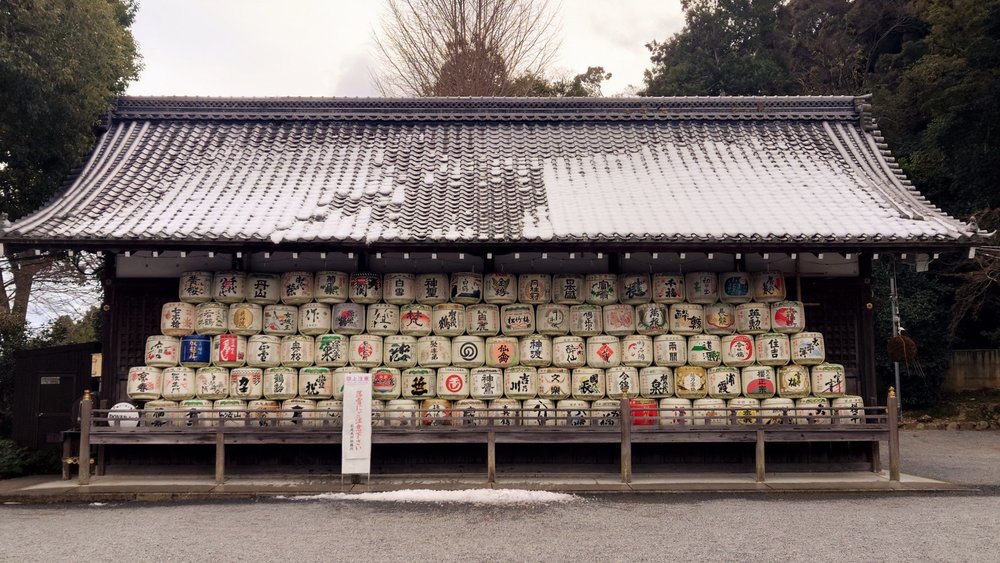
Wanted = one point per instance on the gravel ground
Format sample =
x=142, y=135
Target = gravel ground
x=967, y=457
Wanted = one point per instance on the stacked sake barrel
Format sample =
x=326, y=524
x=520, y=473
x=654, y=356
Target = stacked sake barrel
x=529, y=349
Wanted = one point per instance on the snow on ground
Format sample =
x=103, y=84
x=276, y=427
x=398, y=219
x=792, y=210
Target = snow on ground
x=472, y=496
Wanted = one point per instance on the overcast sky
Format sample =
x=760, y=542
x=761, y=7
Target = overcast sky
x=324, y=47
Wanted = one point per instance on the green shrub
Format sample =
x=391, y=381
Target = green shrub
x=14, y=460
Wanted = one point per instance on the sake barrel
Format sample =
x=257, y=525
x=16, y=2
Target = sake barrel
x=466, y=288
x=229, y=286
x=734, y=287
x=651, y=319
x=777, y=410
x=468, y=351
x=402, y=412
x=263, y=412
x=644, y=411
x=619, y=320
x=196, y=350
x=330, y=350
x=808, y=348
x=246, y=383
x=535, y=350
x=295, y=411
x=315, y=319
x=520, y=382
x=569, y=352
x=670, y=350
x=794, y=381
x=572, y=412
x=124, y=415
x=554, y=383
x=758, y=381
x=829, y=380
x=744, y=410
x=720, y=318
x=788, y=317
x=552, y=319
x=737, y=350
x=162, y=351
x=622, y=382
x=687, y=319
x=606, y=412
x=383, y=319
x=263, y=289
x=702, y=287
x=365, y=288
x=298, y=351
x=177, y=319
x=280, y=383
x=690, y=382
x=656, y=382
x=296, y=287
x=668, y=288
x=517, y=319
x=386, y=383
x=435, y=412
x=331, y=287
x=604, y=351
x=330, y=413
x=601, y=289
x=568, y=289
x=500, y=288
x=768, y=287
x=229, y=350
x=398, y=288
x=704, y=350
x=348, y=318
x=634, y=289
x=178, y=384
x=316, y=383
x=448, y=319
x=586, y=320
x=486, y=383
x=399, y=351
x=378, y=412
x=418, y=383
x=281, y=320
x=724, y=382
x=502, y=351
x=213, y=318
x=415, y=320
x=772, y=349
x=431, y=288
x=195, y=287
x=339, y=374
x=453, y=383
x=709, y=412
x=534, y=289
x=433, y=351
x=212, y=383
x=263, y=351
x=812, y=410
x=637, y=350
x=588, y=384
x=197, y=412
x=468, y=412
x=157, y=414
x=504, y=412
x=848, y=409
x=365, y=351
x=753, y=318
x=674, y=411
x=245, y=319
x=482, y=320
x=144, y=383
x=230, y=412
x=537, y=412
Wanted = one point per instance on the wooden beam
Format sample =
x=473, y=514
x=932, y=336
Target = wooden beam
x=866, y=342
x=626, y=440
x=491, y=456
x=759, y=456
x=893, y=411
x=220, y=457
x=86, y=414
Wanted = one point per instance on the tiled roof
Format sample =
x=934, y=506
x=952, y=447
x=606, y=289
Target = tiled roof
x=785, y=170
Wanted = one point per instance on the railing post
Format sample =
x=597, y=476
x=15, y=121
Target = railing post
x=626, y=420
x=759, y=456
x=892, y=408
x=86, y=419
x=220, y=455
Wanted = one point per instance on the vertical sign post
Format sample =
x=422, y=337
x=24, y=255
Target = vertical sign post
x=356, y=442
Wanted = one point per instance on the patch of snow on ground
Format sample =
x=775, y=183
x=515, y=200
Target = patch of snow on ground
x=472, y=496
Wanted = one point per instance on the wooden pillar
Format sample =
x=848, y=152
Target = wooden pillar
x=67, y=452
x=759, y=456
x=491, y=455
x=109, y=358
x=626, y=440
x=892, y=409
x=86, y=419
x=866, y=341
x=220, y=457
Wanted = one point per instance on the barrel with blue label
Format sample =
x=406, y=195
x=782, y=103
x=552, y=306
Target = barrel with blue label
x=196, y=350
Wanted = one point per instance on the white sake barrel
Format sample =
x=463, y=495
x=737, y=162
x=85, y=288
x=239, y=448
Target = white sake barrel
x=386, y=383
x=162, y=351
x=330, y=413
x=482, y=320
x=690, y=382
x=709, y=412
x=537, y=412
x=656, y=382
x=365, y=288
x=296, y=288
x=768, y=287
x=331, y=287
x=331, y=350
x=144, y=383
x=229, y=350
x=568, y=289
x=177, y=319
x=535, y=350
x=399, y=289
x=588, y=384
x=348, y=318
x=197, y=412
x=213, y=318
x=466, y=288
x=448, y=319
x=468, y=412
x=196, y=350
x=315, y=383
x=720, y=318
x=505, y=412
x=619, y=320
x=399, y=351
x=263, y=289
x=572, y=412
x=794, y=381
x=674, y=411
x=788, y=317
x=668, y=288
x=280, y=383
x=453, y=383
x=601, y=289
x=295, y=411
x=468, y=351
x=758, y=381
x=772, y=349
x=812, y=410
x=704, y=350
x=156, y=414
x=734, y=287
x=212, y=383
x=738, y=350
x=637, y=351
x=418, y=383
x=263, y=412
x=724, y=382
x=415, y=320
x=829, y=380
x=606, y=412
x=383, y=319
x=808, y=348
x=622, y=382
x=433, y=351
x=230, y=412
x=517, y=319
x=534, y=289
x=281, y=319
x=753, y=318
x=552, y=319
x=298, y=351
x=849, y=409
x=338, y=379
x=263, y=351
x=195, y=287
x=569, y=352
x=555, y=383
x=432, y=288
x=744, y=409
x=586, y=320
x=178, y=384
x=435, y=412
x=687, y=319
x=245, y=319
x=365, y=351
x=246, y=383
x=500, y=288
x=634, y=289
x=486, y=383
x=229, y=287
x=670, y=350
x=502, y=351
x=402, y=412
x=315, y=319
x=777, y=410
x=520, y=382
x=604, y=351
x=651, y=319
x=702, y=287
x=378, y=413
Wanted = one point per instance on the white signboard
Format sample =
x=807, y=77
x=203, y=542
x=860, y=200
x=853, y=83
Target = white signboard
x=356, y=443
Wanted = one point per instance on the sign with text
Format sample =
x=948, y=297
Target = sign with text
x=356, y=443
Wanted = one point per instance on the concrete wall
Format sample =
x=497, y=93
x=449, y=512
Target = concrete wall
x=973, y=369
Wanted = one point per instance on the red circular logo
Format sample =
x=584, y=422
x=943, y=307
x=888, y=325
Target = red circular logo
x=454, y=383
